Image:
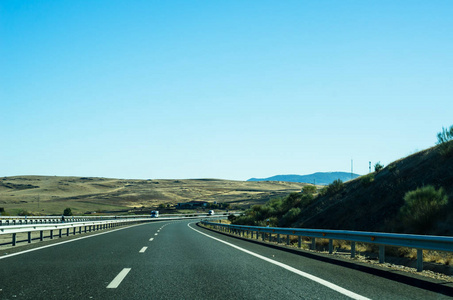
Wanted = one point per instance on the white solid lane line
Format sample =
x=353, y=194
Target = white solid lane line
x=151, y=239
x=143, y=250
x=116, y=282
x=291, y=269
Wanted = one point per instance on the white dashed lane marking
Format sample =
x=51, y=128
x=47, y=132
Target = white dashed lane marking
x=116, y=282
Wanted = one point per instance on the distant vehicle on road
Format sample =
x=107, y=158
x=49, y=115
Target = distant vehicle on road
x=211, y=213
x=155, y=214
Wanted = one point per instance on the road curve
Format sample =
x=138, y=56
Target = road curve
x=178, y=260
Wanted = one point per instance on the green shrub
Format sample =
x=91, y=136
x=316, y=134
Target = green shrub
x=275, y=205
x=421, y=208
x=290, y=216
x=245, y=220
x=367, y=179
x=323, y=191
x=445, y=140
x=24, y=212
x=232, y=218
x=309, y=190
x=292, y=200
x=378, y=167
x=67, y=212
x=306, y=200
x=335, y=187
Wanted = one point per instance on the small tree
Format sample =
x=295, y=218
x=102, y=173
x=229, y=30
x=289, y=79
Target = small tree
x=378, y=167
x=67, y=212
x=444, y=140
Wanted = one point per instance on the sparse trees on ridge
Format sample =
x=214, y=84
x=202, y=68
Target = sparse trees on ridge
x=445, y=140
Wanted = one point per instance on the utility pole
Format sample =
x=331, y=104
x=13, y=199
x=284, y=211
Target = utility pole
x=352, y=167
x=370, y=167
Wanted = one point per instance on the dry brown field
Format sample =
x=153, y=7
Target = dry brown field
x=50, y=195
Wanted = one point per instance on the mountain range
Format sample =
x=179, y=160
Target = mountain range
x=319, y=178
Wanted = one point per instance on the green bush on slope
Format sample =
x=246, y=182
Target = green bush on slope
x=422, y=207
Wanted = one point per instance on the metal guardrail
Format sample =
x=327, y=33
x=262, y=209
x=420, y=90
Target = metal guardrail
x=22, y=220
x=87, y=226
x=419, y=242
x=49, y=225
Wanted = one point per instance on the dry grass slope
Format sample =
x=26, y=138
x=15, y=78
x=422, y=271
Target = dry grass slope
x=373, y=205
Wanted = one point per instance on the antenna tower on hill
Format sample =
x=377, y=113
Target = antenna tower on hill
x=352, y=167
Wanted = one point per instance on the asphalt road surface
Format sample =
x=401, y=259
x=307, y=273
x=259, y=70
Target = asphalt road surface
x=179, y=260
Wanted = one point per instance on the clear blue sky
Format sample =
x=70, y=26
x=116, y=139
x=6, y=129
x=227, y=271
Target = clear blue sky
x=220, y=89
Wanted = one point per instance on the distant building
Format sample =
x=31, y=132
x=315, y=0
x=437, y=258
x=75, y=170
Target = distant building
x=192, y=204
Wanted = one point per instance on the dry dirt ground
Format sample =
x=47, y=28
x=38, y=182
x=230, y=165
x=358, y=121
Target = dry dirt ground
x=47, y=195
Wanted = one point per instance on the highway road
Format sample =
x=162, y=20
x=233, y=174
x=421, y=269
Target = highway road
x=179, y=260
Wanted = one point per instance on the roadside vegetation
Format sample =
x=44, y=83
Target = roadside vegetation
x=445, y=141
x=410, y=195
x=422, y=208
x=278, y=211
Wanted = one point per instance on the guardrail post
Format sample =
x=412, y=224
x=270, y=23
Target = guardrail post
x=299, y=241
x=14, y=240
x=59, y=233
x=51, y=234
x=381, y=254
x=262, y=236
x=352, y=249
x=29, y=237
x=330, y=246
x=287, y=240
x=419, y=260
x=278, y=238
x=313, y=243
x=67, y=231
x=73, y=231
x=41, y=235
